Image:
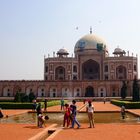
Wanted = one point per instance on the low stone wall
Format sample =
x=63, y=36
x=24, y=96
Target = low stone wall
x=42, y=135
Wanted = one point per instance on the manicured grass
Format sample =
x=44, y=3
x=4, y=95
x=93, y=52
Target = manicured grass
x=16, y=105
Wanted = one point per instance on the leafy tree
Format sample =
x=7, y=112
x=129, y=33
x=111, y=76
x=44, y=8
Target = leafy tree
x=17, y=97
x=135, y=94
x=124, y=90
x=24, y=97
x=21, y=97
x=31, y=96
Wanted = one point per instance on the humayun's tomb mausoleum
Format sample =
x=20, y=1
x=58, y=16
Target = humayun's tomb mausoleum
x=90, y=72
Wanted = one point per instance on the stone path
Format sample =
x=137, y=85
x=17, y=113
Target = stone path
x=114, y=131
x=100, y=132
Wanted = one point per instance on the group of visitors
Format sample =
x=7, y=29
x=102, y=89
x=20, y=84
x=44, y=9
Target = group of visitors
x=71, y=112
x=70, y=115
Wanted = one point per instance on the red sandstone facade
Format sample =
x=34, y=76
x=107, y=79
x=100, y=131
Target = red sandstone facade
x=91, y=72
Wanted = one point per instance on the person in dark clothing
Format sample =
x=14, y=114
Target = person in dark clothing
x=62, y=102
x=39, y=112
x=123, y=112
x=1, y=114
x=38, y=109
x=34, y=105
x=74, y=112
x=45, y=105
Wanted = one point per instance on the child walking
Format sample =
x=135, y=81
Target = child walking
x=66, y=115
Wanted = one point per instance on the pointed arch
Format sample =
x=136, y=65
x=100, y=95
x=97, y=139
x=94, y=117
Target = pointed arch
x=89, y=91
x=60, y=73
x=90, y=70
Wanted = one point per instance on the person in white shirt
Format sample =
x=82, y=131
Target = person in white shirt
x=90, y=111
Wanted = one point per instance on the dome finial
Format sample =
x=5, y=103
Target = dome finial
x=90, y=30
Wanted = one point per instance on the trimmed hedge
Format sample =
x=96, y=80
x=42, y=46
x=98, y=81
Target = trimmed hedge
x=127, y=104
x=6, y=100
x=14, y=105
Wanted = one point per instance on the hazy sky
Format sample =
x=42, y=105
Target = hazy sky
x=30, y=29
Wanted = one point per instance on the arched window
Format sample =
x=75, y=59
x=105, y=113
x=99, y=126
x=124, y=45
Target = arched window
x=90, y=70
x=74, y=77
x=106, y=68
x=60, y=73
x=135, y=68
x=121, y=72
x=74, y=68
x=113, y=94
x=89, y=92
x=53, y=94
x=106, y=77
x=46, y=69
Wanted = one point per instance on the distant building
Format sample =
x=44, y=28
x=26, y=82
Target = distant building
x=91, y=72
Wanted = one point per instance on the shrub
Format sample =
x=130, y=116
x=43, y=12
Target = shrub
x=10, y=105
x=25, y=105
x=17, y=97
x=127, y=104
x=23, y=97
x=31, y=96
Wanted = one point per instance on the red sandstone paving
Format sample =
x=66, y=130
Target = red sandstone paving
x=100, y=106
x=136, y=111
x=13, y=112
x=58, y=107
x=18, y=131
x=100, y=132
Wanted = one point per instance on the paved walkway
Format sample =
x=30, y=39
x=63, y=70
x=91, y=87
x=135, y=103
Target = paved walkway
x=9, y=112
x=135, y=111
x=100, y=132
x=114, y=131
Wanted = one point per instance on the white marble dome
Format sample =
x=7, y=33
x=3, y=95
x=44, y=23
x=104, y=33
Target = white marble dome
x=118, y=51
x=62, y=51
x=89, y=42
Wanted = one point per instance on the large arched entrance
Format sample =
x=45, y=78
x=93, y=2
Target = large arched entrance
x=101, y=91
x=60, y=73
x=89, y=92
x=90, y=70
